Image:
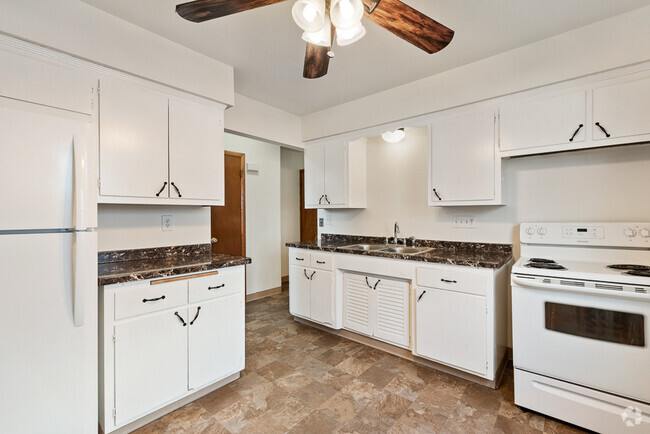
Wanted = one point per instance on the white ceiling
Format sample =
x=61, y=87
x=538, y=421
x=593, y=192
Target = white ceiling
x=265, y=48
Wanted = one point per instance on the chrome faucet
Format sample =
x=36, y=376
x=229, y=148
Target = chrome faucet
x=395, y=232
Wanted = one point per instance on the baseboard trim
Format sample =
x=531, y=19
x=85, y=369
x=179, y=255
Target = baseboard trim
x=263, y=294
x=408, y=355
x=285, y=279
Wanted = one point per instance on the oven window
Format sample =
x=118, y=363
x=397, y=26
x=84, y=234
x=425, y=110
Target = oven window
x=600, y=324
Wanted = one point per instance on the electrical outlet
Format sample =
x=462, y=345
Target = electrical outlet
x=167, y=223
x=465, y=222
x=321, y=222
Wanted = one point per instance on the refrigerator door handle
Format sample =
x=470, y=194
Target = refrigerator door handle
x=80, y=182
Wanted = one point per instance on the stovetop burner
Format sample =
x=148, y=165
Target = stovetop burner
x=545, y=265
x=640, y=273
x=629, y=267
x=541, y=261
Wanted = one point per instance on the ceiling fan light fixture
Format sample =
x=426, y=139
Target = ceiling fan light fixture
x=394, y=136
x=346, y=14
x=321, y=37
x=309, y=15
x=350, y=36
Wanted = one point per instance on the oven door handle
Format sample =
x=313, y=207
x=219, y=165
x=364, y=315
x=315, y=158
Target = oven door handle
x=529, y=283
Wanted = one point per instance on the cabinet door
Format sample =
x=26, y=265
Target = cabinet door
x=391, y=309
x=150, y=363
x=622, y=109
x=196, y=151
x=451, y=327
x=549, y=120
x=462, y=158
x=357, y=303
x=322, y=297
x=216, y=330
x=336, y=173
x=299, y=291
x=133, y=142
x=314, y=175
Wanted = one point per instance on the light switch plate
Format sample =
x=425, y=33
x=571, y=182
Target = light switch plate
x=167, y=223
x=321, y=222
x=465, y=222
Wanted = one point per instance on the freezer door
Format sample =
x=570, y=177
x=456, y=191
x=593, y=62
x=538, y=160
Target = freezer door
x=49, y=366
x=46, y=169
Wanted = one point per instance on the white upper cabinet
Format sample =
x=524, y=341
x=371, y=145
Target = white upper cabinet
x=622, y=110
x=463, y=166
x=195, y=130
x=335, y=174
x=133, y=152
x=158, y=149
x=546, y=120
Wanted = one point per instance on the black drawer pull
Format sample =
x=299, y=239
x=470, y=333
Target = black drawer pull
x=198, y=309
x=210, y=288
x=320, y=262
x=177, y=190
x=421, y=295
x=161, y=189
x=575, y=133
x=602, y=129
x=436, y=193
x=144, y=300
x=180, y=319
x=300, y=259
x=448, y=281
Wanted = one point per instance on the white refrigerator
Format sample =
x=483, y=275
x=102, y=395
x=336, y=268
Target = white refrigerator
x=48, y=270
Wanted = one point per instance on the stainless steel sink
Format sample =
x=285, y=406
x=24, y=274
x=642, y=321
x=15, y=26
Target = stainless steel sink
x=406, y=250
x=364, y=247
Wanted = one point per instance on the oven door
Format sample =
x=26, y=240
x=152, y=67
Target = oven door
x=591, y=340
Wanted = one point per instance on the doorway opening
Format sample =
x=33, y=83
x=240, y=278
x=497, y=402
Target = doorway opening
x=228, y=223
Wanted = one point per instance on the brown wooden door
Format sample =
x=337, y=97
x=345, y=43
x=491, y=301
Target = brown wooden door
x=229, y=222
x=308, y=217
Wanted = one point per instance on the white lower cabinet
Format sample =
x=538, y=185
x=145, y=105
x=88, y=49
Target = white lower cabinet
x=311, y=294
x=162, y=342
x=451, y=328
x=377, y=306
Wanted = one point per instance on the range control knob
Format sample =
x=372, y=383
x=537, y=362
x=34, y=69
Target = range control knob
x=629, y=232
x=541, y=231
x=644, y=232
x=530, y=231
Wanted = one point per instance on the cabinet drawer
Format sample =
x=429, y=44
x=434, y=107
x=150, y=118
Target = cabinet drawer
x=141, y=299
x=227, y=281
x=453, y=280
x=322, y=261
x=299, y=257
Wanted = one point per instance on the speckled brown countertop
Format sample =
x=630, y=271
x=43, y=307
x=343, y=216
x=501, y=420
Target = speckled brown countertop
x=132, y=265
x=479, y=255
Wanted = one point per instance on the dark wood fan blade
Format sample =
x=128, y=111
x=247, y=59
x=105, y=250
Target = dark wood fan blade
x=410, y=25
x=316, y=61
x=203, y=10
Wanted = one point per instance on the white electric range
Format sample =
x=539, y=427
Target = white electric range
x=581, y=323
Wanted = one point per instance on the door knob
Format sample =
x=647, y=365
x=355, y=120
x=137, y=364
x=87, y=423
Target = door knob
x=214, y=240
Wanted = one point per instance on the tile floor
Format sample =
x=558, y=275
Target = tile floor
x=302, y=380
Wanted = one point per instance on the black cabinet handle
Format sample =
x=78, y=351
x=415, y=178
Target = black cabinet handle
x=328, y=201
x=448, y=281
x=198, y=309
x=305, y=271
x=300, y=259
x=144, y=300
x=161, y=189
x=320, y=262
x=312, y=276
x=421, y=295
x=210, y=288
x=436, y=193
x=602, y=129
x=575, y=133
x=377, y=283
x=180, y=319
x=177, y=190
x=368, y=283
x=321, y=199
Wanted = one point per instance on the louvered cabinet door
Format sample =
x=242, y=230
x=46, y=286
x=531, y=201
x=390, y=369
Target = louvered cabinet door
x=357, y=304
x=392, y=311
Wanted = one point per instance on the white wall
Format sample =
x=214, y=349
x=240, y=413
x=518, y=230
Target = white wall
x=263, y=230
x=608, y=44
x=608, y=184
x=291, y=164
x=125, y=227
x=79, y=29
x=258, y=120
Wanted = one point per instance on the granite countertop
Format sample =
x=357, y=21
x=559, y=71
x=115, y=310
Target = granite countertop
x=478, y=255
x=122, y=266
